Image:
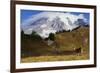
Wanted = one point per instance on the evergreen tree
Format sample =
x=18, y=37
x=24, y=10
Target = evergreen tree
x=22, y=34
x=51, y=36
x=35, y=36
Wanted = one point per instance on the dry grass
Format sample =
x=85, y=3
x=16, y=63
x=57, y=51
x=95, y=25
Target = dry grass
x=55, y=58
x=38, y=51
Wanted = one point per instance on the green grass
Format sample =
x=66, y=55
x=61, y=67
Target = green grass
x=36, y=50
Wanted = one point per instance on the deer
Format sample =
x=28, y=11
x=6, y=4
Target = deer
x=78, y=51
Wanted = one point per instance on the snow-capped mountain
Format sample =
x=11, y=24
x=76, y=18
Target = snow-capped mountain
x=45, y=23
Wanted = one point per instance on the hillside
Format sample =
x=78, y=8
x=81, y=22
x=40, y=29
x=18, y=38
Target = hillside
x=35, y=49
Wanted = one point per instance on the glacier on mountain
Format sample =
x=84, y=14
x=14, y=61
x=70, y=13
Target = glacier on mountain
x=45, y=23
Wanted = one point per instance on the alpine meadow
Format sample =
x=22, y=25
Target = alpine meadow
x=54, y=36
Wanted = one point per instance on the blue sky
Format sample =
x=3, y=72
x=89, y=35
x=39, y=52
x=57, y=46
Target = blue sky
x=25, y=14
